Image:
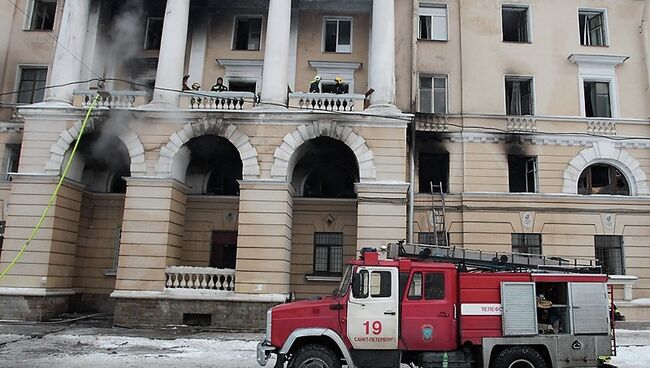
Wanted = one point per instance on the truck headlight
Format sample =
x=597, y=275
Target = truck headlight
x=268, y=325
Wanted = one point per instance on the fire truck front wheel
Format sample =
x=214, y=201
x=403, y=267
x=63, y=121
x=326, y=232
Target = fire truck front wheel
x=519, y=357
x=315, y=356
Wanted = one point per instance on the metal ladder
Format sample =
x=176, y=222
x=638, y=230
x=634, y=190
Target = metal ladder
x=438, y=216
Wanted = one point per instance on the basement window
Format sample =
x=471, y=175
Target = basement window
x=597, y=99
x=603, y=179
x=519, y=95
x=42, y=15
x=592, y=27
x=433, y=168
x=197, y=319
x=609, y=252
x=433, y=22
x=248, y=33
x=527, y=243
x=514, y=20
x=522, y=174
x=153, y=34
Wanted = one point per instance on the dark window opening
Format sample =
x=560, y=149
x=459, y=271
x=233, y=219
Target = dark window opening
x=592, y=28
x=215, y=166
x=527, y=243
x=433, y=168
x=522, y=174
x=248, y=32
x=32, y=85
x=434, y=286
x=338, y=35
x=515, y=23
x=223, y=249
x=597, y=100
x=609, y=252
x=2, y=234
x=242, y=86
x=153, y=34
x=12, y=155
x=430, y=238
x=106, y=162
x=328, y=254
x=43, y=15
x=519, y=97
x=602, y=179
x=332, y=88
x=197, y=319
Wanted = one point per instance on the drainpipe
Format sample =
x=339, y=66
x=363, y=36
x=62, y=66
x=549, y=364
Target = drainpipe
x=414, y=63
x=645, y=33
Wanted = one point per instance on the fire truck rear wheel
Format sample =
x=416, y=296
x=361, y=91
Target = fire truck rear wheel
x=315, y=356
x=519, y=357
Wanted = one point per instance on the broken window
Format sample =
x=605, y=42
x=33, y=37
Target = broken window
x=248, y=33
x=12, y=154
x=527, y=243
x=153, y=34
x=602, y=179
x=433, y=22
x=592, y=27
x=522, y=174
x=514, y=20
x=223, y=249
x=609, y=253
x=328, y=253
x=519, y=96
x=597, y=99
x=433, y=168
x=32, y=84
x=43, y=13
x=433, y=94
x=337, y=35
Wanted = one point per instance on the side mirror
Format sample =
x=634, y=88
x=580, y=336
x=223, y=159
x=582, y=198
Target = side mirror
x=357, y=287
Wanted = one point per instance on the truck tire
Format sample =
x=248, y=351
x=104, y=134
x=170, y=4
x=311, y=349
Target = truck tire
x=519, y=357
x=315, y=356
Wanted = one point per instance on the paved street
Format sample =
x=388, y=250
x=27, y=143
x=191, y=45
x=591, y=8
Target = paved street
x=91, y=344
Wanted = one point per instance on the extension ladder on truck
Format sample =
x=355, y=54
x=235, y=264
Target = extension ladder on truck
x=440, y=236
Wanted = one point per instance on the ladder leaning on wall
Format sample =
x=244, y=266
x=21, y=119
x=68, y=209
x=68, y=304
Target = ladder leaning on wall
x=440, y=237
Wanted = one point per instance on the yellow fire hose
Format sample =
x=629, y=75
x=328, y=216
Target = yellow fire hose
x=56, y=190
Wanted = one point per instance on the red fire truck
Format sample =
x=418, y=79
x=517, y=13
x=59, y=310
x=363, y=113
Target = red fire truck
x=430, y=307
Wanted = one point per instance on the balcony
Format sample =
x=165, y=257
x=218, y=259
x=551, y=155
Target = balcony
x=112, y=100
x=327, y=101
x=199, y=280
x=227, y=100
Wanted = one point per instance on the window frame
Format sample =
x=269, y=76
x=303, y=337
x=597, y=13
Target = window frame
x=329, y=271
x=433, y=77
x=611, y=91
x=337, y=18
x=621, y=247
x=27, y=25
x=146, y=32
x=423, y=13
x=519, y=78
x=527, y=158
x=602, y=11
x=234, y=31
x=611, y=170
x=19, y=75
x=526, y=241
x=529, y=22
x=9, y=159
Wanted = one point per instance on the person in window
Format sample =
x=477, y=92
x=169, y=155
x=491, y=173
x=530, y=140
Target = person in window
x=339, y=87
x=315, y=85
x=219, y=87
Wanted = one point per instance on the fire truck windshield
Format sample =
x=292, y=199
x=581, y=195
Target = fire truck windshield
x=345, y=281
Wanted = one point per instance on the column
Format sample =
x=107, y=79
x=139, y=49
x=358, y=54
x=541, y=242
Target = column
x=171, y=59
x=66, y=66
x=381, y=68
x=198, y=48
x=40, y=283
x=264, y=237
x=381, y=213
x=152, y=233
x=276, y=54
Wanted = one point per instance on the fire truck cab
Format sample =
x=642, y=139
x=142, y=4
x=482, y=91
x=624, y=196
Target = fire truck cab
x=431, y=310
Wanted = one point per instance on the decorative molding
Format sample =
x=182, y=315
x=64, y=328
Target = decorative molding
x=599, y=62
x=601, y=127
x=284, y=154
x=68, y=136
x=432, y=123
x=543, y=139
x=521, y=124
x=527, y=220
x=605, y=152
x=172, y=152
x=248, y=70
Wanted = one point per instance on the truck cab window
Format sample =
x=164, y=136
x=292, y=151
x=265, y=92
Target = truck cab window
x=415, y=291
x=434, y=286
x=380, y=284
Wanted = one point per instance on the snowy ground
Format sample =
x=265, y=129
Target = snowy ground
x=76, y=347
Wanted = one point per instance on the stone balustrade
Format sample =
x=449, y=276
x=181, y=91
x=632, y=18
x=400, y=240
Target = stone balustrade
x=626, y=281
x=327, y=101
x=199, y=278
x=227, y=100
x=112, y=99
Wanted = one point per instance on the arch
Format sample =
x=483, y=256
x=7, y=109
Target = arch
x=284, y=154
x=606, y=153
x=68, y=136
x=166, y=166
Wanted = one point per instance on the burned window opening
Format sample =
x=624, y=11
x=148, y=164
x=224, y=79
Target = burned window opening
x=248, y=32
x=105, y=162
x=515, y=23
x=603, y=179
x=43, y=13
x=519, y=96
x=433, y=168
x=242, y=86
x=215, y=166
x=522, y=173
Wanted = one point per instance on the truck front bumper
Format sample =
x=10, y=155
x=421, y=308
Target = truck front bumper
x=264, y=350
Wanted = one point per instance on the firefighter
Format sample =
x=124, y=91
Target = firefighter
x=339, y=87
x=219, y=87
x=315, y=85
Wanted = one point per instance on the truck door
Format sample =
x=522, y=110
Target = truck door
x=373, y=309
x=429, y=310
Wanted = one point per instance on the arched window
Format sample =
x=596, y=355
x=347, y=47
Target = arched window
x=603, y=179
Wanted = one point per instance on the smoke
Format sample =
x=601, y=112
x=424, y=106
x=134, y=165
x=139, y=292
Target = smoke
x=125, y=39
